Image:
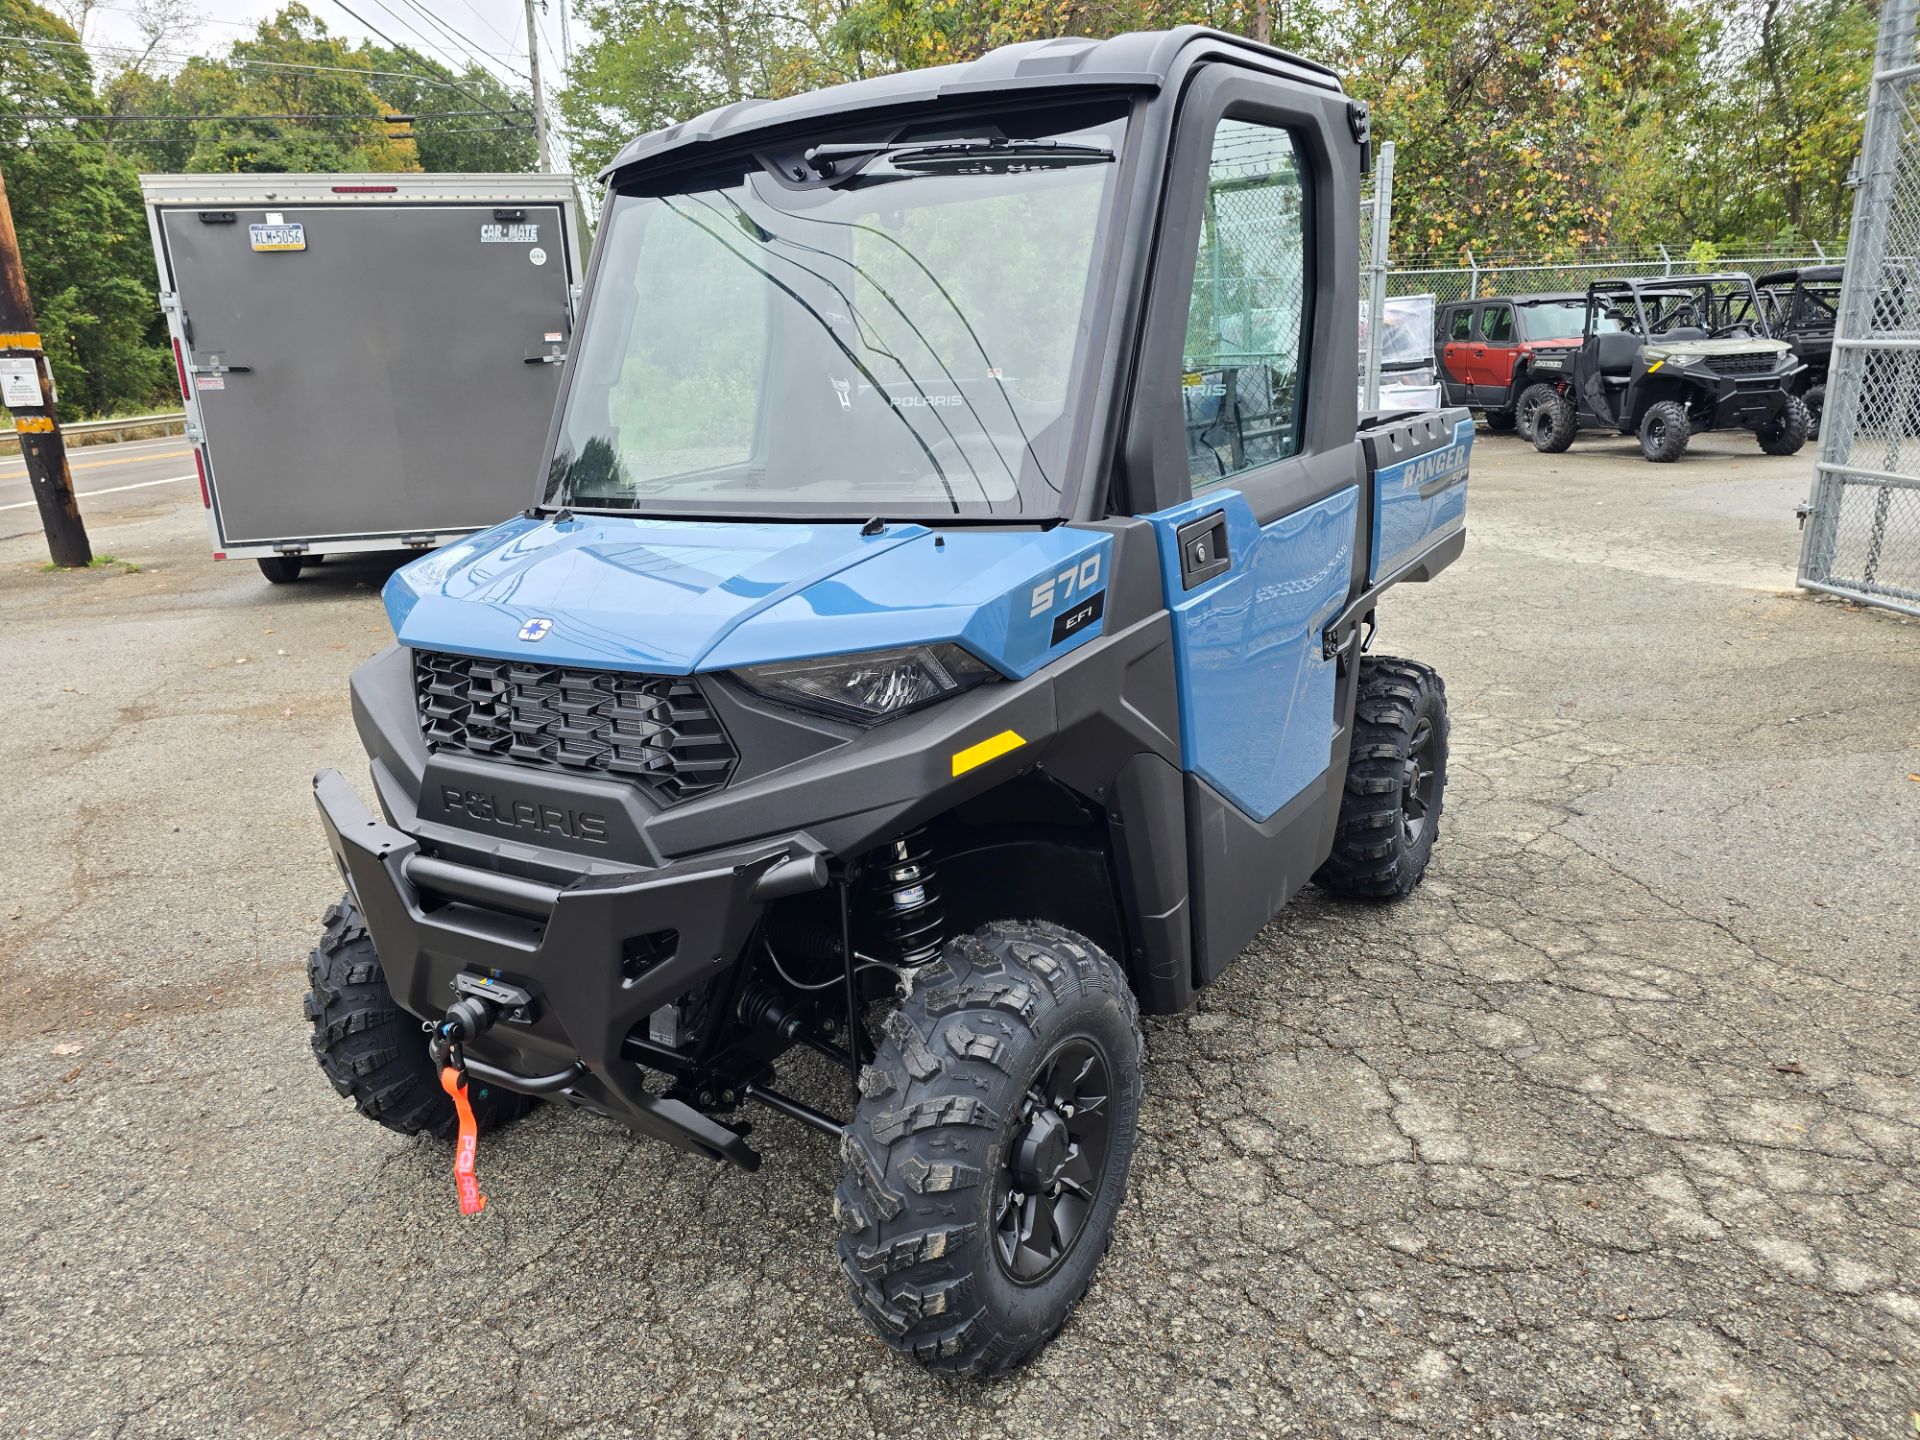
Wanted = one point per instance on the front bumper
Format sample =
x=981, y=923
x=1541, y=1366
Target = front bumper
x=599, y=955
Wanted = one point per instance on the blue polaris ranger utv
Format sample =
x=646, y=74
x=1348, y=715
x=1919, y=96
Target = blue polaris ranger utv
x=939, y=641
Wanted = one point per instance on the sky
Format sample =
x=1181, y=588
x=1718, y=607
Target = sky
x=494, y=32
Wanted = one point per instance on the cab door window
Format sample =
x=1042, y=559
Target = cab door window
x=1241, y=380
x=1460, y=325
x=1498, y=325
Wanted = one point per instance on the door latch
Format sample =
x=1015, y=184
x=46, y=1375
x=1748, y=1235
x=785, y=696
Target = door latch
x=1203, y=549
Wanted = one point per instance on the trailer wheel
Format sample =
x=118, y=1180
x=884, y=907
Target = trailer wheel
x=1546, y=417
x=1816, y=402
x=281, y=569
x=372, y=1050
x=987, y=1161
x=1664, y=431
x=1786, y=432
x=1396, y=783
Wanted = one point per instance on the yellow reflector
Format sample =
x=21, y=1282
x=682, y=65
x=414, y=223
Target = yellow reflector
x=976, y=755
x=36, y=424
x=1655, y=366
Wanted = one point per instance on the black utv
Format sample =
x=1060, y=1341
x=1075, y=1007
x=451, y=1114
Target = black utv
x=1666, y=358
x=1801, y=307
x=939, y=641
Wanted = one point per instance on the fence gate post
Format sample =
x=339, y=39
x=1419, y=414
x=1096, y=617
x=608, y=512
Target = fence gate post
x=1377, y=268
x=1862, y=518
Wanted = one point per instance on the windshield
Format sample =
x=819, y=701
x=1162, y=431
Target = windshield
x=896, y=333
x=1556, y=320
x=1679, y=310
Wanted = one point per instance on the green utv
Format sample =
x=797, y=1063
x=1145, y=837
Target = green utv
x=938, y=641
x=1666, y=358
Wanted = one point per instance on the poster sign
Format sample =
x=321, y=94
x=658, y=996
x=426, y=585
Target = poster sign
x=20, y=384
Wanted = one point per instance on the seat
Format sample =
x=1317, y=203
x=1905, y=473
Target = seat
x=1615, y=352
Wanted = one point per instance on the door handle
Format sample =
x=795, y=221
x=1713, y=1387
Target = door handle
x=1203, y=549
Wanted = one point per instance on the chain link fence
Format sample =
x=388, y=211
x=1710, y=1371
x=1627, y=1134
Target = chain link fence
x=1479, y=279
x=1862, y=521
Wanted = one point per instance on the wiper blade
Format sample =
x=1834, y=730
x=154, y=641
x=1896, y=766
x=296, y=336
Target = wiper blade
x=995, y=156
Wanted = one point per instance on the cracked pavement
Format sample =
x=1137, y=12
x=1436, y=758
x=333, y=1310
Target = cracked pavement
x=1611, y=1130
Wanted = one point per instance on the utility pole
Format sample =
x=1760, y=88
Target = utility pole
x=566, y=39
x=28, y=392
x=539, y=95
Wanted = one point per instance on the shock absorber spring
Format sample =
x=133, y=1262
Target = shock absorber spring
x=900, y=880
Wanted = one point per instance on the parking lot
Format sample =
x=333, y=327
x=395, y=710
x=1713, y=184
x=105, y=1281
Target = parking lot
x=1611, y=1130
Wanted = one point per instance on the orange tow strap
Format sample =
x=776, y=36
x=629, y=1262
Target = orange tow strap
x=472, y=1202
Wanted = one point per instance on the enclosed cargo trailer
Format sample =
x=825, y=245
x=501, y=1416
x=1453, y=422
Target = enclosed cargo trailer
x=368, y=362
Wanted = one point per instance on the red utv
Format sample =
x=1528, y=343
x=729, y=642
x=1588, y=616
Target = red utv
x=1487, y=349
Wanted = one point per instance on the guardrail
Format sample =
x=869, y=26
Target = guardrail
x=86, y=431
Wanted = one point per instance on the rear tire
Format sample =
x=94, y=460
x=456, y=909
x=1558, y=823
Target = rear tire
x=983, y=1176
x=1816, y=402
x=372, y=1050
x=280, y=569
x=1396, y=783
x=1664, y=431
x=1786, y=432
x=1546, y=417
x=1500, y=422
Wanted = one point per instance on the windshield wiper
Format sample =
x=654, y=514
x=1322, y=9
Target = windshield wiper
x=995, y=156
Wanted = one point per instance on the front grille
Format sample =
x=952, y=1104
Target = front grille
x=655, y=730
x=1751, y=364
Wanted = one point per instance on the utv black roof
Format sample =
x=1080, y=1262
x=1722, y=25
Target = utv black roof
x=1640, y=284
x=1805, y=275
x=1142, y=61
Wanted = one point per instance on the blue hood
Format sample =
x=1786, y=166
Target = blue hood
x=671, y=597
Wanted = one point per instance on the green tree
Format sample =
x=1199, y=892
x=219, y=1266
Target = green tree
x=500, y=139
x=77, y=208
x=1776, y=125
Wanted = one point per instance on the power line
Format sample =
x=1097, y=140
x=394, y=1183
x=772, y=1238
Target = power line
x=394, y=118
x=237, y=62
x=461, y=39
x=415, y=57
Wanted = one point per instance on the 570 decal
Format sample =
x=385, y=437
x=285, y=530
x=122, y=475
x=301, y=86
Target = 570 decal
x=1072, y=581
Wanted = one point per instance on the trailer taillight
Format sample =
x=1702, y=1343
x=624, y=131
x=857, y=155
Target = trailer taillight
x=200, y=469
x=180, y=368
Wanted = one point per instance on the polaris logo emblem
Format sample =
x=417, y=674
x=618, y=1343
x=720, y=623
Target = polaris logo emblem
x=535, y=630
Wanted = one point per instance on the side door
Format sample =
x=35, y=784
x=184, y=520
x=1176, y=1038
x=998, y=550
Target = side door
x=1493, y=378
x=1255, y=502
x=1458, y=330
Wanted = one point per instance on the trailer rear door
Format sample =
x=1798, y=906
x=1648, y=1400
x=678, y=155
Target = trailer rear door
x=383, y=379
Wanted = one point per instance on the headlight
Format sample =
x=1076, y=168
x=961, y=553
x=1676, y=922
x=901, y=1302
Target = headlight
x=1651, y=353
x=871, y=687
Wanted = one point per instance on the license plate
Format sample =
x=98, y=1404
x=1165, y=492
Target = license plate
x=278, y=237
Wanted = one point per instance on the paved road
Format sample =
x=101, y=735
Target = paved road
x=1612, y=1130
x=108, y=479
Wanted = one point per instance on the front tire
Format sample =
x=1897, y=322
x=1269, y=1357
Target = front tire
x=1816, y=402
x=1786, y=432
x=1396, y=783
x=1546, y=417
x=987, y=1161
x=1664, y=431
x=372, y=1050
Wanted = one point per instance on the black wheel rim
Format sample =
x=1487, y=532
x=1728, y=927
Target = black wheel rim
x=1056, y=1161
x=1416, y=797
x=1656, y=429
x=1525, y=419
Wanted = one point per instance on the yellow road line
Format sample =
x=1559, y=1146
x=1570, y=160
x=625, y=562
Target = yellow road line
x=118, y=460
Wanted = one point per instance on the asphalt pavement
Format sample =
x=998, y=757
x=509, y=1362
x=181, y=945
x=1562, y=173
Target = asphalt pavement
x=108, y=480
x=1611, y=1130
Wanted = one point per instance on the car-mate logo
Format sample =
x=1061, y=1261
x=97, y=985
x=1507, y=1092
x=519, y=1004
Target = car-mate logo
x=535, y=630
x=571, y=824
x=1441, y=465
x=520, y=234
